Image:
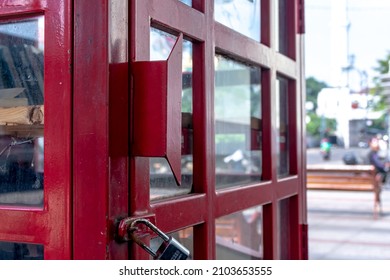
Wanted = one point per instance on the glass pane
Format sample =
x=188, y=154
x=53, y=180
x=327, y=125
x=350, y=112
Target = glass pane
x=284, y=232
x=283, y=148
x=187, y=2
x=185, y=237
x=162, y=182
x=20, y=251
x=239, y=235
x=21, y=112
x=282, y=27
x=240, y=15
x=237, y=123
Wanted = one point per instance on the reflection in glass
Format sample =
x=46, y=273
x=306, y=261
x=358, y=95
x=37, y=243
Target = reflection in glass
x=20, y=251
x=187, y=2
x=284, y=225
x=282, y=27
x=282, y=127
x=239, y=235
x=21, y=112
x=162, y=182
x=237, y=123
x=240, y=15
x=185, y=237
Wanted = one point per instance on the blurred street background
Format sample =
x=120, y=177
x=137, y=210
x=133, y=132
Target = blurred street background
x=341, y=224
x=348, y=103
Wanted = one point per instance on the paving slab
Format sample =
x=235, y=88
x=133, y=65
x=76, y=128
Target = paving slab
x=342, y=226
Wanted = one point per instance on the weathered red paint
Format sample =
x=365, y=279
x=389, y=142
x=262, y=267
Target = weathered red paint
x=118, y=205
x=118, y=149
x=91, y=130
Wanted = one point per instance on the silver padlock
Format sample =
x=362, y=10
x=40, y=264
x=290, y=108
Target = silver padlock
x=170, y=249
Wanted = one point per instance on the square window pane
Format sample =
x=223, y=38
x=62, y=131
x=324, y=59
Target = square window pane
x=285, y=227
x=20, y=251
x=162, y=181
x=238, y=123
x=239, y=235
x=21, y=111
x=283, y=142
x=242, y=16
x=283, y=26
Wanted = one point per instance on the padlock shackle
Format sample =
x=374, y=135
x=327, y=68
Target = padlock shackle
x=170, y=249
x=135, y=238
x=151, y=226
x=143, y=245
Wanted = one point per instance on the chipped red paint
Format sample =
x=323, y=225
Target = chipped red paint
x=91, y=130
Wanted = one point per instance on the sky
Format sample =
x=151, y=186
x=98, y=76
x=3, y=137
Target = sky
x=368, y=39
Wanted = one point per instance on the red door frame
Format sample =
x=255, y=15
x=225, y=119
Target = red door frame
x=101, y=160
x=50, y=226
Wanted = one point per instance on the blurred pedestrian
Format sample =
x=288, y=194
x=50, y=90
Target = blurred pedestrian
x=325, y=147
x=381, y=166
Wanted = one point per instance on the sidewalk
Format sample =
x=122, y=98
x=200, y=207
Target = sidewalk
x=342, y=226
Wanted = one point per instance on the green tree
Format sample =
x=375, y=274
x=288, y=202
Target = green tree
x=313, y=87
x=380, y=104
x=316, y=124
x=383, y=64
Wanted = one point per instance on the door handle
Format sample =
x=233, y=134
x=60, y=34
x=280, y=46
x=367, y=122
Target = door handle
x=157, y=110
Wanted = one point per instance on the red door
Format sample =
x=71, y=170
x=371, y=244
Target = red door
x=35, y=137
x=188, y=114
x=229, y=129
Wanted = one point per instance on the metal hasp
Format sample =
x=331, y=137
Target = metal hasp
x=157, y=115
x=170, y=248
